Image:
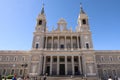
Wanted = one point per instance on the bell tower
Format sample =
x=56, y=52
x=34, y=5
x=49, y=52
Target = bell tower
x=41, y=21
x=84, y=30
x=40, y=29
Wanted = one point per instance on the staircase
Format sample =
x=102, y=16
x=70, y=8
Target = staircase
x=66, y=78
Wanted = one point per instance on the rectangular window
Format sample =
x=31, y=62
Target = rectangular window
x=37, y=46
x=87, y=45
x=23, y=58
x=55, y=45
x=48, y=59
x=102, y=59
x=55, y=59
x=7, y=58
x=4, y=71
x=62, y=59
x=68, y=46
x=69, y=59
x=21, y=71
x=62, y=46
x=12, y=72
x=74, y=45
x=75, y=59
x=110, y=58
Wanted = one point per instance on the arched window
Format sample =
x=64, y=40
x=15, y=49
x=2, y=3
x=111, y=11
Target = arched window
x=87, y=45
x=15, y=58
x=37, y=46
x=118, y=58
x=110, y=58
x=83, y=21
x=7, y=58
x=23, y=58
x=40, y=22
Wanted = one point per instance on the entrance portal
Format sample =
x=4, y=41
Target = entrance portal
x=62, y=69
x=48, y=70
x=76, y=70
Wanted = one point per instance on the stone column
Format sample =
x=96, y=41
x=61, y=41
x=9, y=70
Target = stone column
x=29, y=66
x=73, y=72
x=40, y=66
x=65, y=43
x=65, y=65
x=58, y=43
x=71, y=43
x=58, y=65
x=44, y=65
x=52, y=44
x=78, y=42
x=46, y=43
x=51, y=60
x=79, y=65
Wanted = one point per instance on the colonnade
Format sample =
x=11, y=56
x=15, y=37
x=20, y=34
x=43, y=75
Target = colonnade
x=65, y=62
x=58, y=38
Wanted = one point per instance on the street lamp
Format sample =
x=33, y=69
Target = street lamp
x=24, y=66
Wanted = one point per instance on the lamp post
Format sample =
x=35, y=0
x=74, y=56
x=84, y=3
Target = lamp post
x=24, y=66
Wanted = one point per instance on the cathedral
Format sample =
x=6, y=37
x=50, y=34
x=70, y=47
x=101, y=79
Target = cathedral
x=61, y=52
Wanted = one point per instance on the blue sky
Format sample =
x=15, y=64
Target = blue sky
x=18, y=20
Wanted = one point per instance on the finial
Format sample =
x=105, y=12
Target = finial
x=80, y=5
x=81, y=9
x=43, y=3
x=42, y=11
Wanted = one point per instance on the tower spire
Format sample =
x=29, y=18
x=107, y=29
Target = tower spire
x=42, y=11
x=81, y=9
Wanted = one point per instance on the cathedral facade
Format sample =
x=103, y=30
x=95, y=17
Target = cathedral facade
x=61, y=51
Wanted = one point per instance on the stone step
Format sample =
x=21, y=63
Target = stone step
x=67, y=78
